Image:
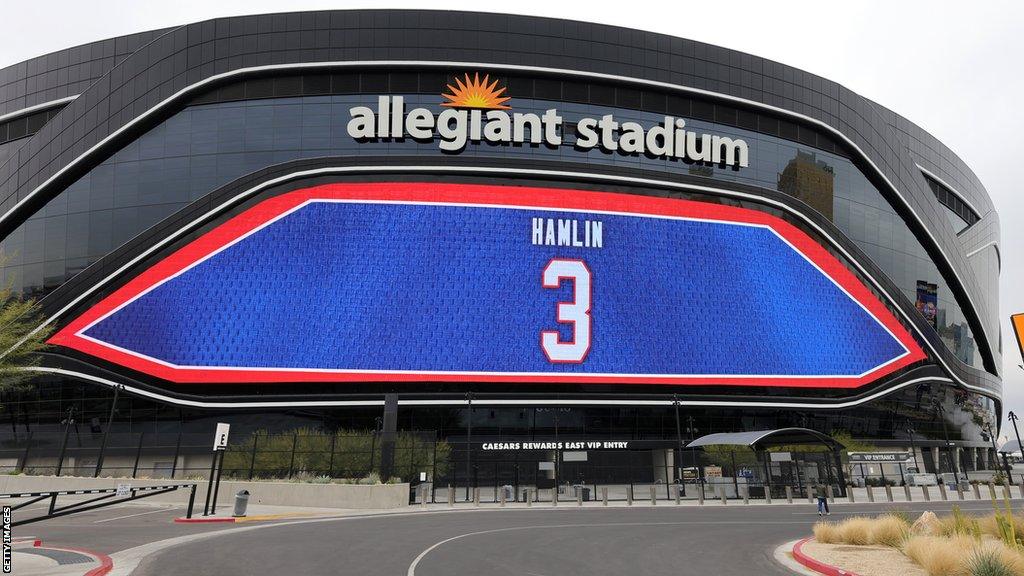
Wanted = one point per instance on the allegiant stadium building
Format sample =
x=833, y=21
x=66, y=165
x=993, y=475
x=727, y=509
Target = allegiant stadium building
x=517, y=231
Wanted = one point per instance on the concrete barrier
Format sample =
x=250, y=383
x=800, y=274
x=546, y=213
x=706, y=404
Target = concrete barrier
x=376, y=496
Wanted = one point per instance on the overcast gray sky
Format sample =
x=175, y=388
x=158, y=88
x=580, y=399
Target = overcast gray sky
x=951, y=67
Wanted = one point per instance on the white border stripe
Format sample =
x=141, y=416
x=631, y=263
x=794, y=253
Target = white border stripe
x=484, y=401
x=541, y=69
x=37, y=107
x=81, y=333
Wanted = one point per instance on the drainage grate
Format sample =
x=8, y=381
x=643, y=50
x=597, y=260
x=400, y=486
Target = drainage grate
x=63, y=557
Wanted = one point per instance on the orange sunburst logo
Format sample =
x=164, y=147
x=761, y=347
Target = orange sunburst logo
x=476, y=93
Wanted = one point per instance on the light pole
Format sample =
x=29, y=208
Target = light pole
x=1013, y=420
x=469, y=442
x=679, y=446
x=913, y=448
x=950, y=453
x=995, y=451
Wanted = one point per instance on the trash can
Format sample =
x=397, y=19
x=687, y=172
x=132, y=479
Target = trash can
x=581, y=491
x=510, y=492
x=241, y=503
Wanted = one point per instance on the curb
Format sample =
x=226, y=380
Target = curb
x=816, y=565
x=206, y=520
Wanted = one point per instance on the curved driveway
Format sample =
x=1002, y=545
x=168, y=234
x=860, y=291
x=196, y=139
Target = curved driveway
x=565, y=541
x=538, y=542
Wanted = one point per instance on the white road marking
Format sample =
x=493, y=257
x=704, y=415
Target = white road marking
x=133, y=515
x=412, y=567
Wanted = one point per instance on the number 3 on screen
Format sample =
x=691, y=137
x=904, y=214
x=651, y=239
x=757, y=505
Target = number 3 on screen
x=576, y=312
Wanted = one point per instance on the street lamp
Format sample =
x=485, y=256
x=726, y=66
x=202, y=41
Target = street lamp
x=1013, y=420
x=995, y=451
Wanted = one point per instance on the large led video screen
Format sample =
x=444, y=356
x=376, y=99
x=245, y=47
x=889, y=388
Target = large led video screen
x=416, y=282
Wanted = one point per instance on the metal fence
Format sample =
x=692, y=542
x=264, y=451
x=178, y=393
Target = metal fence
x=628, y=475
x=260, y=455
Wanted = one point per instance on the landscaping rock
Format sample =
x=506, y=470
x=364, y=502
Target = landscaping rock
x=927, y=525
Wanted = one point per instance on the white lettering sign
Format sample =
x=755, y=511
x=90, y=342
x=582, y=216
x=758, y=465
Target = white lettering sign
x=220, y=438
x=457, y=127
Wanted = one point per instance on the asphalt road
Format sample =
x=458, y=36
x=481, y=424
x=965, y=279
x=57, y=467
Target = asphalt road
x=638, y=541
x=112, y=529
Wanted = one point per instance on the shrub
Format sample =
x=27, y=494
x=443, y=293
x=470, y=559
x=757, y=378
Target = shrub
x=900, y=513
x=371, y=478
x=988, y=563
x=889, y=530
x=856, y=530
x=940, y=556
x=827, y=533
x=960, y=524
x=1013, y=561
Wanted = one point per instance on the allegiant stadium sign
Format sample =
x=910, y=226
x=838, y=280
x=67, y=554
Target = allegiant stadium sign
x=475, y=112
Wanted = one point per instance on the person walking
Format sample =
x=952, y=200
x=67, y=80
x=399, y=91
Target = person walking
x=822, y=494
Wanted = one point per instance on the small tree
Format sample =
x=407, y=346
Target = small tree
x=21, y=339
x=851, y=445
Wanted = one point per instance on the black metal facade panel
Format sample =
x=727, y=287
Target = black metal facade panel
x=165, y=62
x=65, y=73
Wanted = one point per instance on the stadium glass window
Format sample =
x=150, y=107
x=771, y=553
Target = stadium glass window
x=960, y=215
